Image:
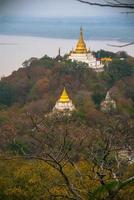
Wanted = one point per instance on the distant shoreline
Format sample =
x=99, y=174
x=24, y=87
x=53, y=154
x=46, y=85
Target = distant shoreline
x=14, y=50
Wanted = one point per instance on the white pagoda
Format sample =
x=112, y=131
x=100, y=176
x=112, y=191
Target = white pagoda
x=108, y=105
x=64, y=103
x=82, y=54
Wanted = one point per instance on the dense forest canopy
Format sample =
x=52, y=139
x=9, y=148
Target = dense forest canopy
x=86, y=156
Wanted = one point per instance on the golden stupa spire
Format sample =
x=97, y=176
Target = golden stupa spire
x=64, y=96
x=81, y=46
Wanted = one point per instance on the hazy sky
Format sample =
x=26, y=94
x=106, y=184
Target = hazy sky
x=51, y=8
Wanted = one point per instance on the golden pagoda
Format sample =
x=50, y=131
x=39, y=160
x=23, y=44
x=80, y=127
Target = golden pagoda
x=81, y=45
x=64, y=103
x=82, y=54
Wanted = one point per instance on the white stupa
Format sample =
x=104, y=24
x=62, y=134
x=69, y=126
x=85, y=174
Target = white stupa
x=64, y=103
x=81, y=54
x=108, y=104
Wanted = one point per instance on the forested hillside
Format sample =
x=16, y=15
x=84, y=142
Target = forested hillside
x=89, y=155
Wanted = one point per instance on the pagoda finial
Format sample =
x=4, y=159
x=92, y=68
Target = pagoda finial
x=81, y=30
x=59, y=51
x=81, y=33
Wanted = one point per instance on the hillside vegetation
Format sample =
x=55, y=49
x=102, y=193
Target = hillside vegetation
x=86, y=156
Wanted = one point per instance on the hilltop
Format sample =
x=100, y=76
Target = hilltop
x=43, y=79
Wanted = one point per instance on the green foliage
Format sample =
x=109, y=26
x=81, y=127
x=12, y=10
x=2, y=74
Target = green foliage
x=97, y=98
x=7, y=94
x=117, y=70
x=46, y=61
x=69, y=67
x=79, y=115
x=18, y=148
x=102, y=191
x=102, y=54
x=3, y=119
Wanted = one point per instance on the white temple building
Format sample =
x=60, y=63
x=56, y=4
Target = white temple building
x=82, y=54
x=108, y=104
x=64, y=103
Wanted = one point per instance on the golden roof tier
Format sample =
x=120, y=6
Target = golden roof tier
x=81, y=45
x=64, y=96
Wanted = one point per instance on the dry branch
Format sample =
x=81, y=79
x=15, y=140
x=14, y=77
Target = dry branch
x=117, y=4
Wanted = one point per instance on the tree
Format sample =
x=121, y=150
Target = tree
x=7, y=94
x=111, y=3
x=87, y=160
x=117, y=70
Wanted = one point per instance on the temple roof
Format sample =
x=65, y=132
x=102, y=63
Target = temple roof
x=81, y=45
x=64, y=96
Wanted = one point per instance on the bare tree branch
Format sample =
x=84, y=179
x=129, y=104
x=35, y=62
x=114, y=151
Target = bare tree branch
x=117, y=4
x=124, y=45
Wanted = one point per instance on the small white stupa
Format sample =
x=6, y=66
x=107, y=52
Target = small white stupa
x=108, y=105
x=64, y=103
x=82, y=54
